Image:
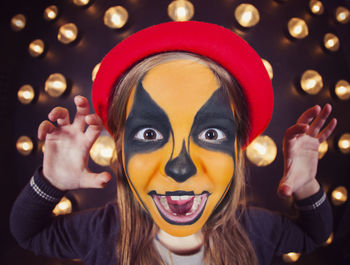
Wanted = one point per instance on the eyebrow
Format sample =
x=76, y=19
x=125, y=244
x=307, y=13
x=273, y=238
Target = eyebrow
x=217, y=107
x=144, y=107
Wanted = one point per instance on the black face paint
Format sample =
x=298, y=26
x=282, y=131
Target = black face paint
x=181, y=168
x=145, y=113
x=215, y=113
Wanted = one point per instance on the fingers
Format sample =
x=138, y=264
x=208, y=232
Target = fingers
x=309, y=114
x=327, y=131
x=319, y=121
x=95, y=127
x=284, y=190
x=83, y=109
x=93, y=180
x=296, y=129
x=61, y=115
x=44, y=128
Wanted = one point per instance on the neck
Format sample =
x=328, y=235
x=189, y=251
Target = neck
x=181, y=245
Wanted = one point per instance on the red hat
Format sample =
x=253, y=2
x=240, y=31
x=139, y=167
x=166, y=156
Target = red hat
x=209, y=40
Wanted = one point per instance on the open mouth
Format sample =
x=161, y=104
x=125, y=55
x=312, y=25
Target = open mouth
x=180, y=207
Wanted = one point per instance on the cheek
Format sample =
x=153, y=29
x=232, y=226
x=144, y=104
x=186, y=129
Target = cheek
x=218, y=167
x=143, y=169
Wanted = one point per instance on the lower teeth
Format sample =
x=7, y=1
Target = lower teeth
x=196, y=202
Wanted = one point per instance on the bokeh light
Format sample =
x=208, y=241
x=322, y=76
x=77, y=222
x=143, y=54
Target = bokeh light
x=103, y=150
x=344, y=143
x=342, y=15
x=331, y=42
x=180, y=10
x=322, y=149
x=36, y=48
x=24, y=145
x=262, y=151
x=50, y=13
x=94, y=71
x=247, y=15
x=329, y=240
x=316, y=7
x=67, y=33
x=115, y=17
x=26, y=94
x=55, y=85
x=339, y=195
x=291, y=257
x=81, y=2
x=297, y=28
x=311, y=82
x=342, y=89
x=18, y=22
x=268, y=68
x=63, y=207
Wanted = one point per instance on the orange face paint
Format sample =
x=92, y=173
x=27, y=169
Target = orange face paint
x=178, y=148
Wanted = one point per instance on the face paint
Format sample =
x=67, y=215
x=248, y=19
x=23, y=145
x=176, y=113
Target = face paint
x=178, y=148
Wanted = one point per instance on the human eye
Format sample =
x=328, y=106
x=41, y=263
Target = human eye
x=212, y=135
x=148, y=135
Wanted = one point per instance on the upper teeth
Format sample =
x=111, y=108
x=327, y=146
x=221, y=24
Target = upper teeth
x=183, y=197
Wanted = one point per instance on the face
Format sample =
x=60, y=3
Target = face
x=178, y=147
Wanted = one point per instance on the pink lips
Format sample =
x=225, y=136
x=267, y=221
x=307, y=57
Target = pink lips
x=180, y=209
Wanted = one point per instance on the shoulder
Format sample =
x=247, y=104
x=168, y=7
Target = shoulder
x=261, y=224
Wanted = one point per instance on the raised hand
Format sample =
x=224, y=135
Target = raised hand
x=300, y=150
x=67, y=147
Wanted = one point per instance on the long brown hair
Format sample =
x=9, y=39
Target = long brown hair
x=225, y=241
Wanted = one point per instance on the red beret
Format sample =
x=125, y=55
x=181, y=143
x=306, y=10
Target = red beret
x=210, y=40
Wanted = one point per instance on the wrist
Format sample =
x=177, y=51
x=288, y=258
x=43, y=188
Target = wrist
x=46, y=177
x=307, y=190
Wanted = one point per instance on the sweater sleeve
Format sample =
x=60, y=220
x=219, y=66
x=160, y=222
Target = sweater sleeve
x=275, y=234
x=69, y=236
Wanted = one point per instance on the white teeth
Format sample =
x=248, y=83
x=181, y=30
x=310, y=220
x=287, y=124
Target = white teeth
x=181, y=198
x=164, y=202
x=196, y=202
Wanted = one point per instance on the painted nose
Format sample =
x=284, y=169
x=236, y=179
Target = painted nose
x=181, y=168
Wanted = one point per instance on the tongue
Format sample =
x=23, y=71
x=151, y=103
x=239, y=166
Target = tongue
x=180, y=207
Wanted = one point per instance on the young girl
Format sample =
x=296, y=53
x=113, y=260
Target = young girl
x=182, y=101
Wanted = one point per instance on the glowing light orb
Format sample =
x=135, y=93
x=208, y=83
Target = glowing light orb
x=180, y=10
x=24, y=145
x=342, y=15
x=247, y=15
x=115, y=17
x=311, y=82
x=268, y=68
x=297, y=28
x=316, y=7
x=18, y=22
x=63, y=207
x=67, y=33
x=55, y=85
x=339, y=195
x=262, y=151
x=26, y=94
x=342, y=89
x=50, y=13
x=103, y=150
x=331, y=42
x=344, y=143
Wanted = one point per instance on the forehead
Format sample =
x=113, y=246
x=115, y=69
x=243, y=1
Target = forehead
x=179, y=85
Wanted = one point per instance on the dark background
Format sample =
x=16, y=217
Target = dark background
x=289, y=59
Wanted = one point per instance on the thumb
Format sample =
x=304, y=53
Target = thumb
x=94, y=180
x=285, y=188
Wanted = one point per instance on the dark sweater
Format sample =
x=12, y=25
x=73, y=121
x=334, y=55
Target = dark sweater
x=91, y=235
